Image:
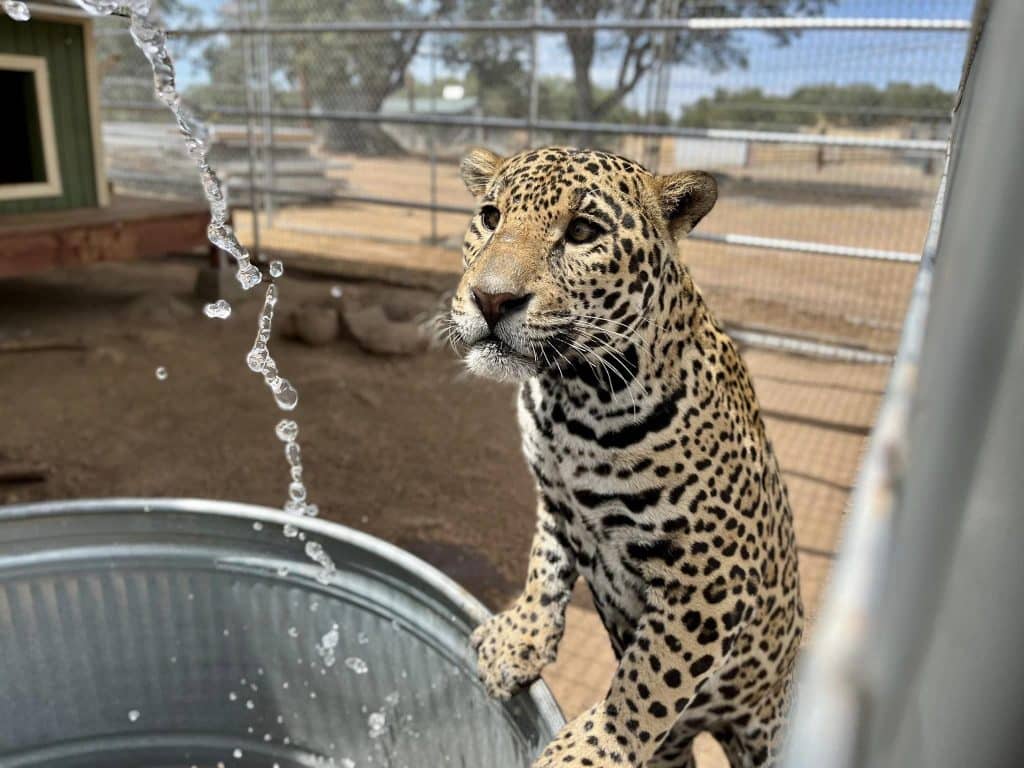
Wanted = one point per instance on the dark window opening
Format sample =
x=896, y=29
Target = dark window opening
x=20, y=132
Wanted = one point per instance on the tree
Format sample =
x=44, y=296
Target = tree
x=858, y=105
x=633, y=53
x=337, y=70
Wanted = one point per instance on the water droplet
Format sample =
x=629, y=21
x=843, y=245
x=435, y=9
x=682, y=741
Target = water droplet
x=285, y=395
x=257, y=359
x=336, y=291
x=276, y=269
x=378, y=724
x=293, y=632
x=219, y=309
x=287, y=430
x=161, y=373
x=249, y=277
x=357, y=665
x=233, y=696
x=134, y=715
x=249, y=704
x=257, y=526
x=17, y=10
x=362, y=639
x=237, y=754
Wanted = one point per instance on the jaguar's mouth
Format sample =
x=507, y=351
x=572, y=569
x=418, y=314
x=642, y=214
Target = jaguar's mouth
x=494, y=358
x=495, y=343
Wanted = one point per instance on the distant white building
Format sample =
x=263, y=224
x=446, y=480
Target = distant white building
x=710, y=153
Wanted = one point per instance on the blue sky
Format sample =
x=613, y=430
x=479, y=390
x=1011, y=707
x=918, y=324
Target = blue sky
x=813, y=57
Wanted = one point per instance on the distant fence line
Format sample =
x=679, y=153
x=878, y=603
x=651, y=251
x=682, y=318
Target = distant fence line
x=568, y=126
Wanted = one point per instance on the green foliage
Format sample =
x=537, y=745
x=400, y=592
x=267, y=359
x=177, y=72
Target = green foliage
x=857, y=105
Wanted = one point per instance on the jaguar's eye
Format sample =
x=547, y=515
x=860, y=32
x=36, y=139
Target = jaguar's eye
x=581, y=231
x=490, y=216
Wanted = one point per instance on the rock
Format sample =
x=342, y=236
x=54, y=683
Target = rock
x=152, y=309
x=377, y=333
x=315, y=325
x=107, y=355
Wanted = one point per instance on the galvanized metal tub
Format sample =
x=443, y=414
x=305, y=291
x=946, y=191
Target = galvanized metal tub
x=155, y=632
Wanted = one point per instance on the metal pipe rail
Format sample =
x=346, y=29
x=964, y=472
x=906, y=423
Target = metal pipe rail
x=569, y=126
x=807, y=246
x=750, y=241
x=586, y=25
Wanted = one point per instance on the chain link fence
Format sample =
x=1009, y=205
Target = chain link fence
x=340, y=128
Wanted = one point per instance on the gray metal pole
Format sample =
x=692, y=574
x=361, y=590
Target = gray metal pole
x=268, y=119
x=247, y=64
x=586, y=25
x=531, y=119
x=435, y=52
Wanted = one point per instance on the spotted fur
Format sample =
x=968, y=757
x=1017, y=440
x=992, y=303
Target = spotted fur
x=656, y=480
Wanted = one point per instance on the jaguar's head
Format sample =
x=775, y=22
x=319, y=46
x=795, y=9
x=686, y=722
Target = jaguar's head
x=565, y=256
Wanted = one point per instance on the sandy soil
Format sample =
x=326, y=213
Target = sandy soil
x=407, y=448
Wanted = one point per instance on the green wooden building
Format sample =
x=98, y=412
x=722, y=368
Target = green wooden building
x=51, y=151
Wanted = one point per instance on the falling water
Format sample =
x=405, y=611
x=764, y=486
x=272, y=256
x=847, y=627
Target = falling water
x=219, y=309
x=16, y=10
x=260, y=361
x=151, y=39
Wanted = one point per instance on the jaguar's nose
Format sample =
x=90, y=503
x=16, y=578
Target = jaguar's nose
x=494, y=306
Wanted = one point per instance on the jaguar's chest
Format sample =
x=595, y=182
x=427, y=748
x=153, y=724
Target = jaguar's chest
x=605, y=497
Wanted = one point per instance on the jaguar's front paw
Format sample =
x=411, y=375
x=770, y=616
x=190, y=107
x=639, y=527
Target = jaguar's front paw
x=509, y=655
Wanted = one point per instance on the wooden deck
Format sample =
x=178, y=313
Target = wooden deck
x=129, y=228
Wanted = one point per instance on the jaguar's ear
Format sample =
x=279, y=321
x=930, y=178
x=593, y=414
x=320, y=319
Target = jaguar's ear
x=685, y=198
x=478, y=168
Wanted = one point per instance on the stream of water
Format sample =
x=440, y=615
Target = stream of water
x=151, y=39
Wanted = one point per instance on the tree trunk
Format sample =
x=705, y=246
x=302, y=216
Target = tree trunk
x=361, y=138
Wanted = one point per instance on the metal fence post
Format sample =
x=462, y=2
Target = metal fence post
x=247, y=64
x=268, y=120
x=531, y=119
x=435, y=52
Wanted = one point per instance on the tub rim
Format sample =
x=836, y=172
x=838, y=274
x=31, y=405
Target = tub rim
x=539, y=693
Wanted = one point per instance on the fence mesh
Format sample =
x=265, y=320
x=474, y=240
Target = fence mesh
x=341, y=143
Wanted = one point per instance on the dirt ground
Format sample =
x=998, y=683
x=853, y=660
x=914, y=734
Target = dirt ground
x=406, y=448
